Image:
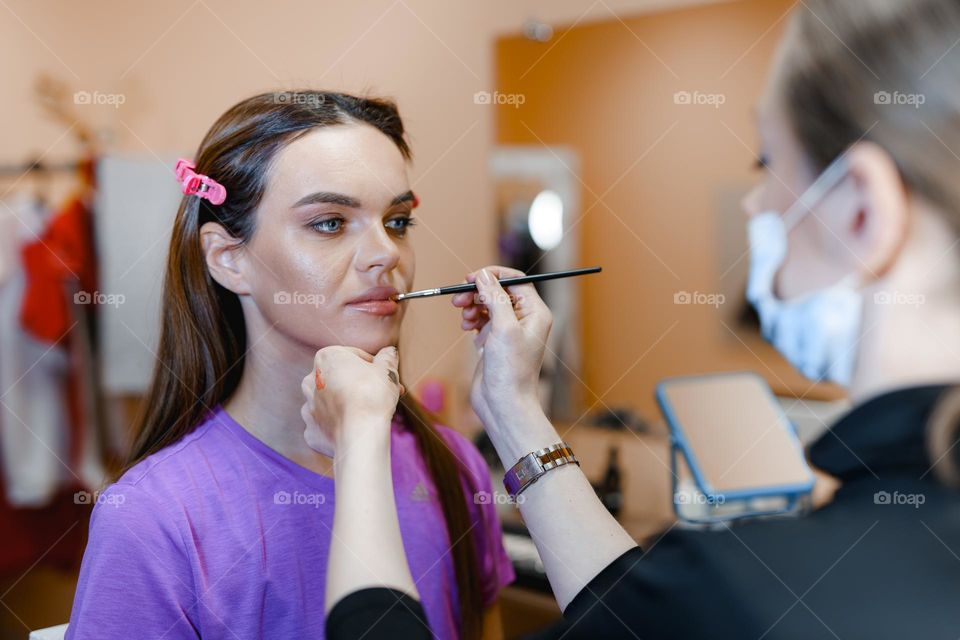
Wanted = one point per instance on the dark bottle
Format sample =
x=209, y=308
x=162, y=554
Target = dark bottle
x=611, y=488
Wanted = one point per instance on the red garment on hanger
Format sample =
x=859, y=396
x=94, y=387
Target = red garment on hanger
x=64, y=252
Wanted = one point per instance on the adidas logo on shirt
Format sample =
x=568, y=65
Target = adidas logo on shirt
x=420, y=493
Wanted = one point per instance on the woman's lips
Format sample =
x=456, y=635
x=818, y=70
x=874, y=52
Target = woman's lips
x=376, y=307
x=377, y=301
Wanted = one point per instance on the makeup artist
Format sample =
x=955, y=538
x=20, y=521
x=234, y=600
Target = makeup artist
x=859, y=206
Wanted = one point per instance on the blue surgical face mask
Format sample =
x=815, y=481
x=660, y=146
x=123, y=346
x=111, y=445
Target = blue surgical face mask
x=817, y=332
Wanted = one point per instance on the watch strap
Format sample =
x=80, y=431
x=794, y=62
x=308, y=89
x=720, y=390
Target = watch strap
x=535, y=464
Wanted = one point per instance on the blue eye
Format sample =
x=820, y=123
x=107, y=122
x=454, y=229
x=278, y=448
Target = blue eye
x=401, y=224
x=330, y=225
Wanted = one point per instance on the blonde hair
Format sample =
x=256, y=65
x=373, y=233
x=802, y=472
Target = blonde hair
x=887, y=71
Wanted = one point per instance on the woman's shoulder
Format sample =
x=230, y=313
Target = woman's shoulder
x=173, y=464
x=128, y=520
x=155, y=495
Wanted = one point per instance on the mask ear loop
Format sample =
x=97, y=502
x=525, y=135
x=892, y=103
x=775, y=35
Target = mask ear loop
x=828, y=180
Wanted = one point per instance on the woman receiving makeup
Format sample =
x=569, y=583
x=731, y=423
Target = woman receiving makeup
x=853, y=229
x=292, y=236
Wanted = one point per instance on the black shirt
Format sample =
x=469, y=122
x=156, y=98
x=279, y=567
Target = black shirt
x=882, y=560
x=375, y=614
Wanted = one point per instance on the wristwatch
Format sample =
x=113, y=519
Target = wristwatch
x=532, y=466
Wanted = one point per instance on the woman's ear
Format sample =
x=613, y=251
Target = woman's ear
x=222, y=253
x=878, y=226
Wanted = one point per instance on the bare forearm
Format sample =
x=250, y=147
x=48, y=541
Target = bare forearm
x=367, y=549
x=575, y=534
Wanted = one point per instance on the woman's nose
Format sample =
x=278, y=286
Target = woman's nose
x=377, y=251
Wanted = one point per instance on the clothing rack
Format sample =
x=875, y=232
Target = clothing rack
x=36, y=166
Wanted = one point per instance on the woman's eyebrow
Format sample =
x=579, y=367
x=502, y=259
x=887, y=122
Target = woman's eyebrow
x=328, y=197
x=405, y=197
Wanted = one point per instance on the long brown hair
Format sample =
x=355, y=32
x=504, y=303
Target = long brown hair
x=203, y=336
x=886, y=71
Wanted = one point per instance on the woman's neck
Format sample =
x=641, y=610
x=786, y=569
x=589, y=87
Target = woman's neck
x=268, y=399
x=911, y=318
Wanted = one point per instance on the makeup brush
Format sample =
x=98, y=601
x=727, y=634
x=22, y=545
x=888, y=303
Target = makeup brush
x=505, y=282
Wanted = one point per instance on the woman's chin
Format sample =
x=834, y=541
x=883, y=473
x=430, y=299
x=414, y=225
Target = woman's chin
x=369, y=341
x=373, y=346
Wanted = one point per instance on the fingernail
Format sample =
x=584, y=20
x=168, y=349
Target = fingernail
x=485, y=277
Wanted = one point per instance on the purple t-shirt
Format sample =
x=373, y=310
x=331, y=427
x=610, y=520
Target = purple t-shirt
x=219, y=536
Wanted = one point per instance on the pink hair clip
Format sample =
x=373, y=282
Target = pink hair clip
x=196, y=184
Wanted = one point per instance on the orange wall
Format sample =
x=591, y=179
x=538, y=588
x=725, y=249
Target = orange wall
x=661, y=184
